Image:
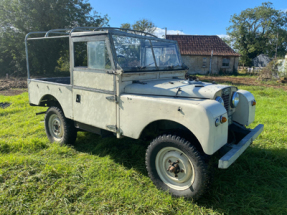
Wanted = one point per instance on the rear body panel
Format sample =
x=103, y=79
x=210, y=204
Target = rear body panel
x=61, y=92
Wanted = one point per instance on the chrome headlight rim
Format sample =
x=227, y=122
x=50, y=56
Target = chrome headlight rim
x=220, y=100
x=234, y=100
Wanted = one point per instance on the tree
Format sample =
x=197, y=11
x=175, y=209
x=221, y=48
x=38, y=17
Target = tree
x=141, y=25
x=126, y=25
x=144, y=25
x=18, y=17
x=254, y=31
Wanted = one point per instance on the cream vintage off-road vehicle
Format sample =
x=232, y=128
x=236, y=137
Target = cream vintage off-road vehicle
x=132, y=84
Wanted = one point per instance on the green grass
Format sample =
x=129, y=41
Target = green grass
x=99, y=176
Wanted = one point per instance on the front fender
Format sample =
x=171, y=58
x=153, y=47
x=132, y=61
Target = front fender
x=244, y=113
x=197, y=115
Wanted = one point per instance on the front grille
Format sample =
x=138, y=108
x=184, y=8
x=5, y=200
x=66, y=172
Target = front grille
x=226, y=99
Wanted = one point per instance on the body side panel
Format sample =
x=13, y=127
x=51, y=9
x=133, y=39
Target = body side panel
x=136, y=112
x=92, y=79
x=63, y=93
x=94, y=109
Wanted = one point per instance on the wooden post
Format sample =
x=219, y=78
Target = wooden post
x=276, y=47
x=165, y=33
x=210, y=72
x=234, y=66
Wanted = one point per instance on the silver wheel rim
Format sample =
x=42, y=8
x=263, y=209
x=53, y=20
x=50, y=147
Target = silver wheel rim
x=56, y=127
x=183, y=179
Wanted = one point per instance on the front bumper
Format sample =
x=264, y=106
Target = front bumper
x=237, y=149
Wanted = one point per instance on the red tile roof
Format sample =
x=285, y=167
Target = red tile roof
x=202, y=45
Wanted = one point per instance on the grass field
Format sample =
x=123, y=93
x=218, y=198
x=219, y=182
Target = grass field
x=100, y=176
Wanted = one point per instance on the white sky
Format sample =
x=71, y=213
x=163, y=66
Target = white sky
x=159, y=32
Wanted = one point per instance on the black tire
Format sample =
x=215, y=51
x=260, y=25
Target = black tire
x=195, y=184
x=65, y=133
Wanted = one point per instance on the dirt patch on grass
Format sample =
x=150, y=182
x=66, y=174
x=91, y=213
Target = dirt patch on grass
x=6, y=84
x=249, y=81
x=12, y=86
x=12, y=92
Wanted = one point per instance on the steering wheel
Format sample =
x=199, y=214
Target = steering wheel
x=122, y=60
x=118, y=56
x=121, y=56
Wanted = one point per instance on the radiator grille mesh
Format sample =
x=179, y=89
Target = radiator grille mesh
x=226, y=99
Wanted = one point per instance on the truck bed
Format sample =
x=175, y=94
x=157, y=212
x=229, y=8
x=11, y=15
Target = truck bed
x=59, y=88
x=60, y=80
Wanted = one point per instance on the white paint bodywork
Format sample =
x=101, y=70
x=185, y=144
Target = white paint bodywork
x=136, y=105
x=244, y=113
x=63, y=93
x=92, y=79
x=140, y=104
x=94, y=109
x=136, y=112
x=169, y=87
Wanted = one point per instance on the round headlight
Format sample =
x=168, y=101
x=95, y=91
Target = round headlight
x=235, y=99
x=220, y=100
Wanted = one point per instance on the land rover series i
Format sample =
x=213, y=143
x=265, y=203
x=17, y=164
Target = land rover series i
x=133, y=85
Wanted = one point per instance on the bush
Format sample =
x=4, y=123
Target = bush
x=271, y=70
x=223, y=72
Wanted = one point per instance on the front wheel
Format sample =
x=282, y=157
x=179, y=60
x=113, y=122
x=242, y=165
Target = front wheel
x=174, y=165
x=58, y=128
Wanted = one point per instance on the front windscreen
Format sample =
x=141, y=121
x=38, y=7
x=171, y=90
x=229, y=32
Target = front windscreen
x=165, y=54
x=136, y=54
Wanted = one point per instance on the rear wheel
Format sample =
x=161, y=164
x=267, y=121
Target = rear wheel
x=58, y=128
x=176, y=166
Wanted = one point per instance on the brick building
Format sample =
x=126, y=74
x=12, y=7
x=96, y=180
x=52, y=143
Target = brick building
x=196, y=54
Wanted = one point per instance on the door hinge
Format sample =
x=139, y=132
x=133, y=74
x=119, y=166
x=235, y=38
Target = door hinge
x=112, y=98
x=112, y=127
x=112, y=72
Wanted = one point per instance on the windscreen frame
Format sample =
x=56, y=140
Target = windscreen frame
x=156, y=68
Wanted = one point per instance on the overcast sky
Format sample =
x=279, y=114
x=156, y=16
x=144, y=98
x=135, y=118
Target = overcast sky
x=196, y=17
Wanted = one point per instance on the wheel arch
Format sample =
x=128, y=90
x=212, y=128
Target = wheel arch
x=165, y=126
x=49, y=100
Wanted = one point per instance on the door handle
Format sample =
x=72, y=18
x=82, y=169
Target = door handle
x=78, y=98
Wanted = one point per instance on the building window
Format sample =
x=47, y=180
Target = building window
x=204, y=62
x=225, y=62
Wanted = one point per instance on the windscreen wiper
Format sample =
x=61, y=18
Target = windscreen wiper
x=172, y=66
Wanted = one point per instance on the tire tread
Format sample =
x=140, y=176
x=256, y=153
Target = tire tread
x=70, y=132
x=205, y=173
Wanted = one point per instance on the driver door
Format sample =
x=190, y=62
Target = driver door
x=92, y=83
